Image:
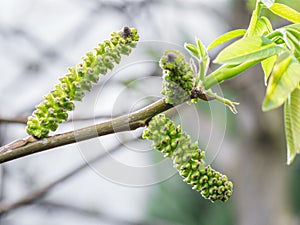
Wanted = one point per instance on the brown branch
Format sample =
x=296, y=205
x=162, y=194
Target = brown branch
x=17, y=119
x=132, y=121
x=23, y=120
x=38, y=194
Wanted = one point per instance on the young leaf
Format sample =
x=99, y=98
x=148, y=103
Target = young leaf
x=226, y=37
x=248, y=49
x=203, y=60
x=292, y=124
x=293, y=37
x=295, y=26
x=294, y=32
x=192, y=49
x=267, y=65
x=284, y=79
x=285, y=12
x=263, y=26
x=201, y=48
x=253, y=20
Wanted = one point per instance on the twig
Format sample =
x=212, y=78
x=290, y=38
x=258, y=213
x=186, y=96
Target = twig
x=17, y=119
x=108, y=218
x=38, y=194
x=2, y=182
x=23, y=120
x=128, y=122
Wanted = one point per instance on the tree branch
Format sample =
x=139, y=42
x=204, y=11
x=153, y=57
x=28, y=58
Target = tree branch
x=13, y=120
x=132, y=121
x=91, y=213
x=23, y=120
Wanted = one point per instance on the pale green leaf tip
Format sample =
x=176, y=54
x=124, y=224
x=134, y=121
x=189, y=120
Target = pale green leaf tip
x=290, y=157
x=269, y=104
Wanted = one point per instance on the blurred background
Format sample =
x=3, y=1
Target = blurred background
x=119, y=179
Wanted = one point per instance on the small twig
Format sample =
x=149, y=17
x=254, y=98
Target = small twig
x=23, y=120
x=38, y=194
x=225, y=101
x=2, y=182
x=199, y=93
x=17, y=119
x=93, y=213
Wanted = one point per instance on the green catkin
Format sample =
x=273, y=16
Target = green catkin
x=178, y=77
x=72, y=87
x=188, y=159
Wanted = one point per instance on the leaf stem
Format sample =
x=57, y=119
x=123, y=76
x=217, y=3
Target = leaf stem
x=226, y=72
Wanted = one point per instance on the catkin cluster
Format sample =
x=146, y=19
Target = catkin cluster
x=188, y=159
x=178, y=77
x=72, y=87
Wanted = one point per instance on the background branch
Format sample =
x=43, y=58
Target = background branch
x=91, y=213
x=38, y=194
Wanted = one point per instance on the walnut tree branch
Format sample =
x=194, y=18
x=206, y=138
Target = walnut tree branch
x=23, y=119
x=132, y=121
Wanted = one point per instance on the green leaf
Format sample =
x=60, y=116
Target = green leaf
x=201, y=48
x=263, y=26
x=248, y=49
x=292, y=124
x=203, y=60
x=226, y=37
x=294, y=32
x=267, y=66
x=253, y=20
x=284, y=79
x=295, y=26
x=192, y=49
x=294, y=37
x=285, y=12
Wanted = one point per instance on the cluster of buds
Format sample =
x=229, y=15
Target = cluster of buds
x=72, y=87
x=178, y=77
x=188, y=159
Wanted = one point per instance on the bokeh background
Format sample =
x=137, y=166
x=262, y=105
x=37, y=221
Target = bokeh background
x=132, y=184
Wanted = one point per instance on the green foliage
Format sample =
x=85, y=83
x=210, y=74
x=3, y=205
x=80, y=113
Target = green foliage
x=278, y=51
x=200, y=53
x=284, y=79
x=226, y=37
x=292, y=124
x=263, y=26
x=187, y=158
x=72, y=87
x=285, y=12
x=248, y=49
x=267, y=66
